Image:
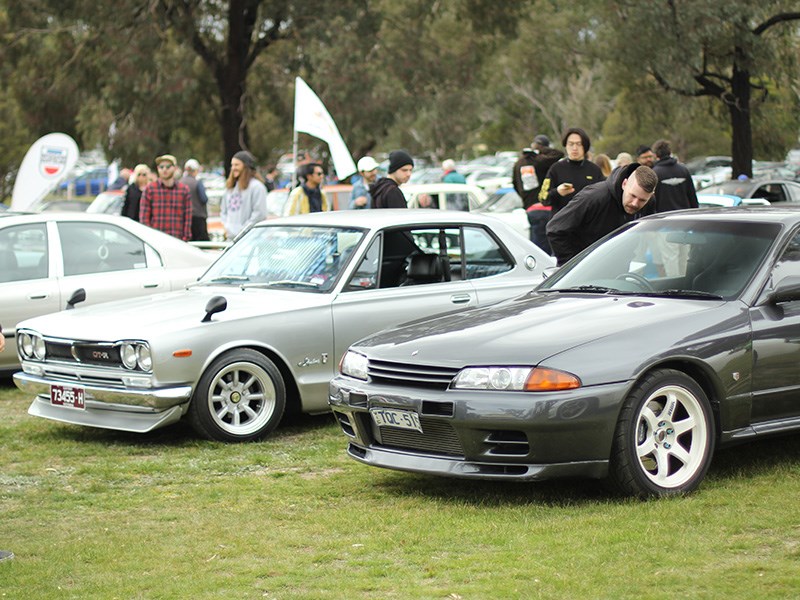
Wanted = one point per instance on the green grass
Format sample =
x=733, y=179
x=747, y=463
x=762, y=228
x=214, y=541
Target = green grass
x=100, y=514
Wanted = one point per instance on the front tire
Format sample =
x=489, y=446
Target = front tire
x=664, y=437
x=240, y=398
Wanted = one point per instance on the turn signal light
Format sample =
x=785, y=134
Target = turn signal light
x=551, y=380
x=182, y=353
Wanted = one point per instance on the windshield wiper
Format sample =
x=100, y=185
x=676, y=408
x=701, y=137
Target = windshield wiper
x=225, y=279
x=291, y=282
x=678, y=293
x=593, y=289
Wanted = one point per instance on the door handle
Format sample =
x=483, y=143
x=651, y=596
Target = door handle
x=148, y=286
x=37, y=296
x=460, y=298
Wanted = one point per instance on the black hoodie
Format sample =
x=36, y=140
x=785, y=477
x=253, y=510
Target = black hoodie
x=594, y=212
x=386, y=194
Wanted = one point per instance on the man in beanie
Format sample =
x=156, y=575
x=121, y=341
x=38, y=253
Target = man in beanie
x=386, y=192
x=166, y=204
x=531, y=169
x=571, y=174
x=245, y=199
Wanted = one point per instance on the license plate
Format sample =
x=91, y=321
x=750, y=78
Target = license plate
x=72, y=397
x=390, y=417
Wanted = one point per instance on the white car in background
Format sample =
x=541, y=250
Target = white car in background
x=46, y=257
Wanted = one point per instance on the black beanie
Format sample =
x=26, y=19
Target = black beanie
x=248, y=159
x=399, y=158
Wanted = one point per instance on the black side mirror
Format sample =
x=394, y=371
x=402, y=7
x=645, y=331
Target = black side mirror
x=787, y=290
x=78, y=295
x=215, y=305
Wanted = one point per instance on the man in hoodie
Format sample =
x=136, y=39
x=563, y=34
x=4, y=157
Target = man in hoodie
x=599, y=209
x=386, y=191
x=571, y=174
x=676, y=189
x=531, y=169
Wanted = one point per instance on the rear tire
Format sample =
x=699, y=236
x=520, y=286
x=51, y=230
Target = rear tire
x=240, y=398
x=664, y=437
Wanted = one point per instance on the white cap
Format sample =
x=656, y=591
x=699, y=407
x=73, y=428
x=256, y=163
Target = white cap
x=191, y=165
x=366, y=164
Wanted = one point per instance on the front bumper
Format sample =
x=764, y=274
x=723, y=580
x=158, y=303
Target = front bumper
x=483, y=435
x=108, y=406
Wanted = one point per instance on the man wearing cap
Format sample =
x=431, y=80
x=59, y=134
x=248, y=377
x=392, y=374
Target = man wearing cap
x=360, y=196
x=531, y=168
x=166, y=204
x=309, y=197
x=245, y=200
x=386, y=191
x=199, y=200
x=571, y=174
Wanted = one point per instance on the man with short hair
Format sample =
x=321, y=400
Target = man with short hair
x=599, y=209
x=386, y=191
x=166, y=204
x=360, y=197
x=676, y=188
x=450, y=173
x=531, y=169
x=645, y=156
x=308, y=197
x=571, y=174
x=271, y=180
x=197, y=190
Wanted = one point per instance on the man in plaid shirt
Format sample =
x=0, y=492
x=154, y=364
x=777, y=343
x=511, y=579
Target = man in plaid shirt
x=166, y=203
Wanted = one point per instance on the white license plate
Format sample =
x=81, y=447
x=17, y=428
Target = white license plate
x=64, y=395
x=390, y=417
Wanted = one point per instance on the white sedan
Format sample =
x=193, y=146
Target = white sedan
x=46, y=257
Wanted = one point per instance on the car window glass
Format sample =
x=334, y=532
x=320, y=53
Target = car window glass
x=457, y=201
x=99, y=248
x=483, y=256
x=788, y=265
x=23, y=252
x=365, y=276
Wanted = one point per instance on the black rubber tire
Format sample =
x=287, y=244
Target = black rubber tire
x=664, y=438
x=241, y=397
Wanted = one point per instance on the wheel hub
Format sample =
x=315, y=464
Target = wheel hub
x=664, y=434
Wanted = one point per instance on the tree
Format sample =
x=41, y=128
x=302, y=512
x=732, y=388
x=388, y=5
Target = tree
x=729, y=50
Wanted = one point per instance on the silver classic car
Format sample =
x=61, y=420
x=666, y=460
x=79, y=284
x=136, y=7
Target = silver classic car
x=263, y=329
x=672, y=336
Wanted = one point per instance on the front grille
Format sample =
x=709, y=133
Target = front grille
x=428, y=376
x=437, y=437
x=85, y=353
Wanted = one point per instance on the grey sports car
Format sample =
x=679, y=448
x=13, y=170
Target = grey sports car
x=672, y=336
x=263, y=329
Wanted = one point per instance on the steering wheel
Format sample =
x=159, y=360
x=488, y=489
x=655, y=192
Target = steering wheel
x=638, y=279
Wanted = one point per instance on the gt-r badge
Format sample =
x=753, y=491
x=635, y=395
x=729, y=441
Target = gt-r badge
x=736, y=375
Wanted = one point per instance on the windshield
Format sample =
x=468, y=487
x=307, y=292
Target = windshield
x=689, y=258
x=291, y=257
x=501, y=202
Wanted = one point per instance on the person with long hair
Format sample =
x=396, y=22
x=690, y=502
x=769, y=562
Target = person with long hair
x=245, y=199
x=133, y=193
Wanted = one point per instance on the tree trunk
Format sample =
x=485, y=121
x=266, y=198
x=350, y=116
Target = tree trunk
x=741, y=130
x=232, y=83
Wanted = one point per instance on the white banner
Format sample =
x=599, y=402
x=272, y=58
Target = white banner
x=47, y=161
x=311, y=117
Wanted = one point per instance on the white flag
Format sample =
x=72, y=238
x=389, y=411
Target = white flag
x=45, y=164
x=311, y=117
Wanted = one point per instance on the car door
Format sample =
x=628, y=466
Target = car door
x=109, y=262
x=776, y=347
x=26, y=287
x=375, y=297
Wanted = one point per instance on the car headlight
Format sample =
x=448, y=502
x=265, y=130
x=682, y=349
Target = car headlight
x=143, y=358
x=519, y=379
x=30, y=345
x=38, y=347
x=127, y=354
x=354, y=365
x=24, y=345
x=135, y=355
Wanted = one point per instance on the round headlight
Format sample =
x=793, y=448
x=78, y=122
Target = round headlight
x=38, y=347
x=128, y=355
x=25, y=345
x=143, y=358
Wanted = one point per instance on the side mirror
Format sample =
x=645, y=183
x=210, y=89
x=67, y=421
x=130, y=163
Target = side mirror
x=78, y=295
x=215, y=305
x=787, y=290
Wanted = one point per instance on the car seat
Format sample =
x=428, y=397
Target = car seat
x=423, y=268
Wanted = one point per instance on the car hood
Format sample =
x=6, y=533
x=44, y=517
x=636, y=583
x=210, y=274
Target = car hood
x=531, y=328
x=165, y=314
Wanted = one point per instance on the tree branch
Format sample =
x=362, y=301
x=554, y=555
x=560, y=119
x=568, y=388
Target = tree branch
x=774, y=20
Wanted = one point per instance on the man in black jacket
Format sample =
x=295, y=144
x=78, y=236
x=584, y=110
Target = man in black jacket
x=386, y=192
x=531, y=169
x=676, y=188
x=599, y=209
x=570, y=175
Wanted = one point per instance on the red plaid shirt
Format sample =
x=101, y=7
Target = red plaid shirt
x=168, y=209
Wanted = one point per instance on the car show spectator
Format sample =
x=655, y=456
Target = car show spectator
x=645, y=156
x=197, y=190
x=531, y=169
x=676, y=188
x=386, y=191
x=166, y=204
x=572, y=173
x=599, y=209
x=623, y=159
x=604, y=162
x=450, y=173
x=309, y=197
x=271, y=180
x=244, y=202
x=138, y=181
x=360, y=197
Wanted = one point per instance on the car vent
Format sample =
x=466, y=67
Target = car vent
x=437, y=437
x=381, y=371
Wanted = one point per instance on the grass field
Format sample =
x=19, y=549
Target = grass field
x=100, y=514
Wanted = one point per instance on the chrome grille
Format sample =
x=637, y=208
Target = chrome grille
x=437, y=437
x=429, y=376
x=85, y=353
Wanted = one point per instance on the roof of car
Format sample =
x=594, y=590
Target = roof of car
x=782, y=214
x=384, y=217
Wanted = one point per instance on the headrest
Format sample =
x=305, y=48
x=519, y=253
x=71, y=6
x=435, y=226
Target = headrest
x=426, y=267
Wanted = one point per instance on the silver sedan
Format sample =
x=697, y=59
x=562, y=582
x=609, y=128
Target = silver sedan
x=46, y=257
x=262, y=331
